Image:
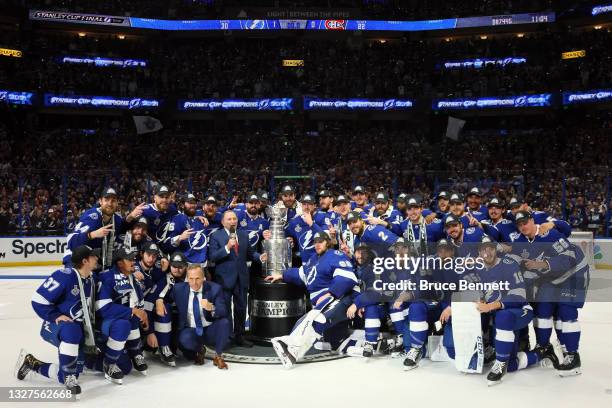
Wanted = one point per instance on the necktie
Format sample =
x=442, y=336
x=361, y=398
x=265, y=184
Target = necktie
x=237, y=246
x=197, y=314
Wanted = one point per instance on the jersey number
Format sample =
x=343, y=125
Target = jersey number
x=51, y=284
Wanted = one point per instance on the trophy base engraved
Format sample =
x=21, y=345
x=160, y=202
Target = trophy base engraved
x=274, y=308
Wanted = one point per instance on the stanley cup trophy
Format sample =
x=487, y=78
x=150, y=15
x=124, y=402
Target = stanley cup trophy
x=277, y=247
x=275, y=307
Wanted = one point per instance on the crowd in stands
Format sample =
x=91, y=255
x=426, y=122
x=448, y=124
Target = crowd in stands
x=335, y=67
x=48, y=178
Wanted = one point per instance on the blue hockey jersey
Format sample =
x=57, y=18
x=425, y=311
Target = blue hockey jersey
x=195, y=248
x=302, y=235
x=508, y=270
x=159, y=224
x=90, y=221
x=376, y=235
x=254, y=226
x=324, y=218
x=331, y=272
x=60, y=295
x=117, y=295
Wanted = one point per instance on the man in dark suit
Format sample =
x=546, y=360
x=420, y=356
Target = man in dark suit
x=202, y=317
x=230, y=250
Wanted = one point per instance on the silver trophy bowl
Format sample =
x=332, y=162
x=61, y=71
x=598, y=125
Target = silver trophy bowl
x=277, y=247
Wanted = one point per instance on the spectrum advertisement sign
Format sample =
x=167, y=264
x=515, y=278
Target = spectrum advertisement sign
x=268, y=104
x=520, y=101
x=106, y=102
x=357, y=104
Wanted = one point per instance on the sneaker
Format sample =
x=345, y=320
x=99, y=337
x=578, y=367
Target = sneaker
x=113, y=373
x=140, y=364
x=413, y=357
x=497, y=372
x=25, y=364
x=167, y=356
x=570, y=365
x=72, y=384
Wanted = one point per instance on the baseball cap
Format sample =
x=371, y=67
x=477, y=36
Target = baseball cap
x=150, y=247
x=381, y=198
x=522, y=216
x=402, y=198
x=178, y=260
x=442, y=194
x=141, y=220
x=82, y=252
x=487, y=240
x=264, y=197
x=451, y=219
x=190, y=198
x=109, y=191
x=358, y=189
x=325, y=193
x=444, y=243
x=495, y=202
x=353, y=216
x=162, y=190
x=287, y=190
x=210, y=200
x=514, y=202
x=124, y=253
x=456, y=198
x=252, y=197
x=320, y=236
x=308, y=199
x=413, y=201
x=342, y=199
x=475, y=191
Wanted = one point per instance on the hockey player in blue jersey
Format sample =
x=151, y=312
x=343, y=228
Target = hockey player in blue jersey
x=120, y=306
x=509, y=308
x=288, y=201
x=360, y=200
x=301, y=229
x=415, y=230
x=252, y=222
x=65, y=303
x=159, y=216
x=460, y=235
x=99, y=227
x=457, y=208
x=331, y=284
x=340, y=232
x=542, y=218
x=188, y=233
x=325, y=215
x=561, y=277
x=211, y=215
x=474, y=204
x=161, y=314
x=383, y=213
x=375, y=236
x=136, y=236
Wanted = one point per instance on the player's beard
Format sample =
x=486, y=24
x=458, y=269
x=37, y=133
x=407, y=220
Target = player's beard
x=190, y=212
x=252, y=211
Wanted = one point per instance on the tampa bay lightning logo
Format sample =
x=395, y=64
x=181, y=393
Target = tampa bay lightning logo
x=135, y=103
x=264, y=104
x=76, y=311
x=520, y=101
x=255, y=24
x=198, y=240
x=312, y=275
x=389, y=104
x=162, y=232
x=3, y=95
x=253, y=238
x=306, y=241
x=210, y=231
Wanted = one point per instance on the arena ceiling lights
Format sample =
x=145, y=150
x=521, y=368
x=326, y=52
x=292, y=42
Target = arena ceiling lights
x=330, y=25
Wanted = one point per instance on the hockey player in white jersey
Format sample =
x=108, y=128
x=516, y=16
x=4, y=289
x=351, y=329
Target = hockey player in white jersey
x=331, y=283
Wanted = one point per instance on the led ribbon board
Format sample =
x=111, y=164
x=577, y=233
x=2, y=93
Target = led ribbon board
x=106, y=102
x=357, y=104
x=520, y=101
x=268, y=104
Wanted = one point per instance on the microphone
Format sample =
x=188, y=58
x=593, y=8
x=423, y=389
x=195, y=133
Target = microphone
x=233, y=235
